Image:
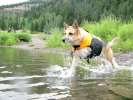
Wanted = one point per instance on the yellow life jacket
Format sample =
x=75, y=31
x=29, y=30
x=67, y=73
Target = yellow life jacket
x=86, y=42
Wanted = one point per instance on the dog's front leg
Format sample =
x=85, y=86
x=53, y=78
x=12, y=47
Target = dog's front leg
x=75, y=62
x=72, y=52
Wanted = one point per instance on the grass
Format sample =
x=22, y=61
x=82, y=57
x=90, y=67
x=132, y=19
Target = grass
x=55, y=40
x=106, y=28
x=125, y=33
x=11, y=38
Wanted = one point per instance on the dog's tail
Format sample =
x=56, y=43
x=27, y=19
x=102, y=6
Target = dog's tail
x=111, y=43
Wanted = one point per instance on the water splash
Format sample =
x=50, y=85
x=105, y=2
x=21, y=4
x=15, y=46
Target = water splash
x=69, y=69
x=102, y=68
x=66, y=71
x=59, y=71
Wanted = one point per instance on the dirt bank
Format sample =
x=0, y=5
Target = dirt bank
x=37, y=42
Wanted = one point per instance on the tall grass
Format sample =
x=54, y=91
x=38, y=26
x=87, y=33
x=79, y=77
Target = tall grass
x=55, y=40
x=11, y=38
x=106, y=28
x=125, y=33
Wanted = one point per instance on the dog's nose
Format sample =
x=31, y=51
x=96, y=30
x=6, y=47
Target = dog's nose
x=63, y=40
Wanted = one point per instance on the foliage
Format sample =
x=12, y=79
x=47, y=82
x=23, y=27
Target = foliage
x=11, y=38
x=125, y=33
x=106, y=28
x=55, y=40
x=46, y=14
x=7, y=39
x=26, y=37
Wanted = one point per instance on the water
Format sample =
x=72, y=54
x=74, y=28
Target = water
x=36, y=75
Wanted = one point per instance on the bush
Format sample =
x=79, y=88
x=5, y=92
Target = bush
x=26, y=37
x=12, y=38
x=7, y=39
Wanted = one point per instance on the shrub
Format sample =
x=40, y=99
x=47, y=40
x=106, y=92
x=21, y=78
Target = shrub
x=11, y=38
x=7, y=39
x=26, y=37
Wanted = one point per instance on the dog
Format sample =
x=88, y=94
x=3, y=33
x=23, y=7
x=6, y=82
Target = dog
x=85, y=45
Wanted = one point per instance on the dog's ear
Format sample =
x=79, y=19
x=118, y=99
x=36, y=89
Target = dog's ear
x=65, y=25
x=75, y=24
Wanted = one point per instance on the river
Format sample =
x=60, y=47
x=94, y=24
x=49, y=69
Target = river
x=34, y=75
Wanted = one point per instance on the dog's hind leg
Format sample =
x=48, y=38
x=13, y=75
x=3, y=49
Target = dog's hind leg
x=109, y=55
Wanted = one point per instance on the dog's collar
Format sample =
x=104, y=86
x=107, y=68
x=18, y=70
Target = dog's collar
x=76, y=47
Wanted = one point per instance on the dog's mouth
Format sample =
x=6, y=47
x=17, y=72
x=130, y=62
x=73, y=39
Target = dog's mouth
x=72, y=42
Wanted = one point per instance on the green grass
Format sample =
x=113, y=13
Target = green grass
x=55, y=40
x=125, y=33
x=11, y=38
x=106, y=28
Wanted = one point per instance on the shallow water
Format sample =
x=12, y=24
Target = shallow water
x=35, y=75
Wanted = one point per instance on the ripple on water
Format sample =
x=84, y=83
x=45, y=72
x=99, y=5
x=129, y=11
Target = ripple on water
x=6, y=72
x=17, y=85
x=12, y=95
x=20, y=78
x=1, y=67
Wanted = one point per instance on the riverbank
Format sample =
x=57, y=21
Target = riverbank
x=37, y=43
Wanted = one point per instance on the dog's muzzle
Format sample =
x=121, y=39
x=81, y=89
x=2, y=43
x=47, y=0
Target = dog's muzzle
x=63, y=40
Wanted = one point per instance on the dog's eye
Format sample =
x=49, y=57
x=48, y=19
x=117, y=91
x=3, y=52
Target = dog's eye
x=70, y=33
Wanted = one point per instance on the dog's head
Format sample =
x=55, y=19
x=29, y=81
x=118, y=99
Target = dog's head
x=71, y=34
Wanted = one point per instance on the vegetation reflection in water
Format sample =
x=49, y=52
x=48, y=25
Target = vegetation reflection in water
x=25, y=75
